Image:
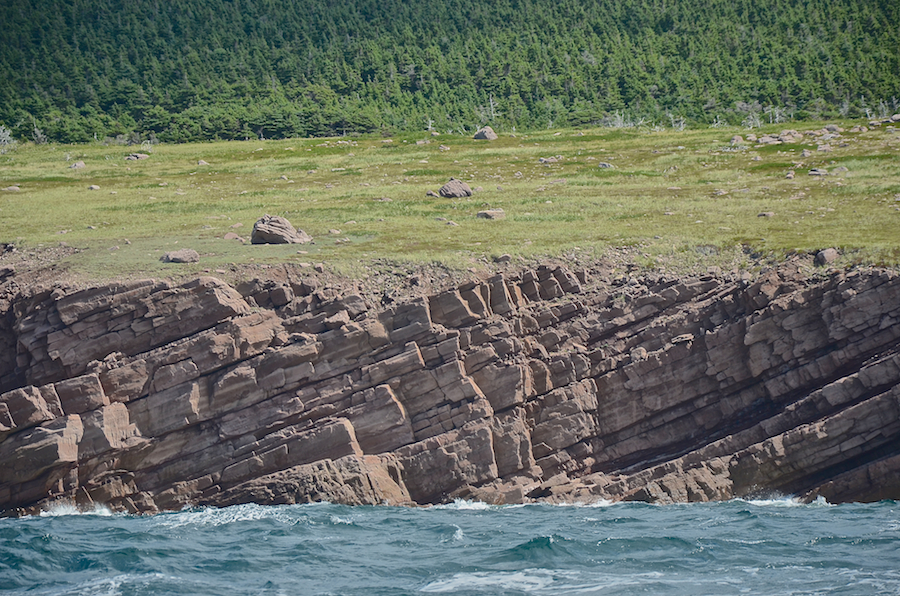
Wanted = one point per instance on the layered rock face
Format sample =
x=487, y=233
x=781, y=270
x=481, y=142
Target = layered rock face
x=532, y=386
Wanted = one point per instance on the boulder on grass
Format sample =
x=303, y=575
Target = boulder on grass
x=827, y=256
x=185, y=255
x=455, y=189
x=486, y=134
x=272, y=229
x=491, y=214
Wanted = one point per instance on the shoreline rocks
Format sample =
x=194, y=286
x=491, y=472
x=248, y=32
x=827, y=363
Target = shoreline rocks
x=527, y=386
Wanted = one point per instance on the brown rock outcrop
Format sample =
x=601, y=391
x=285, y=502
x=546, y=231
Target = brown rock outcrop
x=530, y=386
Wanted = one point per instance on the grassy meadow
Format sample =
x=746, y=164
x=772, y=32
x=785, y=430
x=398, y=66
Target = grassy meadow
x=672, y=197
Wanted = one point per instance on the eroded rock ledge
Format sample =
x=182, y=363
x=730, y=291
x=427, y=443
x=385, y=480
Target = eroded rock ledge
x=534, y=386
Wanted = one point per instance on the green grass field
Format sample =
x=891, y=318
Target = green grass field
x=671, y=196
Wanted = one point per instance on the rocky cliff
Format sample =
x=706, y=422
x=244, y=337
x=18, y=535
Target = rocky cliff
x=539, y=385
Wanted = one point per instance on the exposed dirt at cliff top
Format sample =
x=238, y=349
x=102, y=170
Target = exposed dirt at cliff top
x=26, y=271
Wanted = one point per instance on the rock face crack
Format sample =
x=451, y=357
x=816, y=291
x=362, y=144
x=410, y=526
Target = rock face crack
x=537, y=385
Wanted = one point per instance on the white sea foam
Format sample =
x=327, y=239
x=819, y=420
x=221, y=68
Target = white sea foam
x=591, y=505
x=113, y=586
x=463, y=505
x=529, y=580
x=342, y=520
x=107, y=586
x=786, y=502
x=212, y=517
x=541, y=581
x=458, y=535
x=61, y=508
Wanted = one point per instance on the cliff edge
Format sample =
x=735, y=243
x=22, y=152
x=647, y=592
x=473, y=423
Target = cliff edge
x=536, y=385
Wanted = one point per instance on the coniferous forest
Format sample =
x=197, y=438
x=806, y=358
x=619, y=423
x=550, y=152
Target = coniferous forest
x=186, y=70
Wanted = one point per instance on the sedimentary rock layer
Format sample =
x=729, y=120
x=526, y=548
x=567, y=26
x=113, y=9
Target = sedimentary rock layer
x=539, y=385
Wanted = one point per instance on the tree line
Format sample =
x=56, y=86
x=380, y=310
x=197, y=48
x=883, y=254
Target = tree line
x=185, y=70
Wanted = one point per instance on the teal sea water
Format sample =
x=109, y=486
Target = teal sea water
x=737, y=547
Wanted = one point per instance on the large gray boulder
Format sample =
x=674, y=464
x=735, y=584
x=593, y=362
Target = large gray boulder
x=827, y=256
x=455, y=189
x=486, y=134
x=272, y=229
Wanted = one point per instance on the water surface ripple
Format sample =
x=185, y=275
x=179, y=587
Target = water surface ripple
x=737, y=547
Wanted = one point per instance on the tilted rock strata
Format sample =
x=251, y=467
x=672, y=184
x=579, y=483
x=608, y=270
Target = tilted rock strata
x=536, y=386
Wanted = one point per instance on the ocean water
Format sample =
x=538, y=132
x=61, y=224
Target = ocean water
x=737, y=547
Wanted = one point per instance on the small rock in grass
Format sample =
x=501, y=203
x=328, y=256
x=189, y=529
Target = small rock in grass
x=184, y=255
x=492, y=214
